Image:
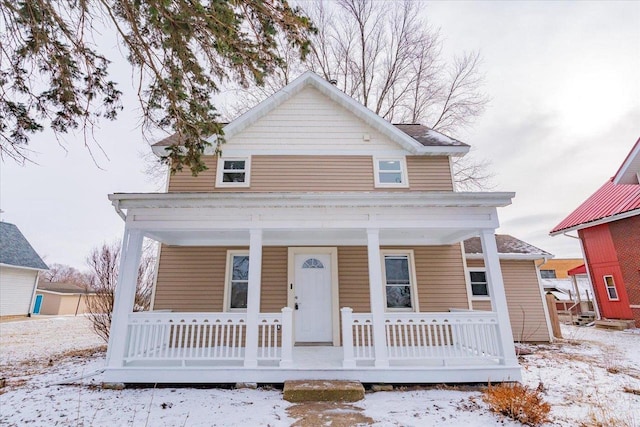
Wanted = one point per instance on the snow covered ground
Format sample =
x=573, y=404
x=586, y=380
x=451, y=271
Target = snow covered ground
x=584, y=377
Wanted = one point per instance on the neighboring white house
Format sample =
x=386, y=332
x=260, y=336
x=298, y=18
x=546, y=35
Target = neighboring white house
x=20, y=266
x=325, y=243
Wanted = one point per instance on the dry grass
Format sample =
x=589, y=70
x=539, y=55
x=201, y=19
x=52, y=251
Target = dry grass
x=518, y=402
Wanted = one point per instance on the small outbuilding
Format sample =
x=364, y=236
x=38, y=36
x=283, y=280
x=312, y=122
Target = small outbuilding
x=63, y=298
x=20, y=266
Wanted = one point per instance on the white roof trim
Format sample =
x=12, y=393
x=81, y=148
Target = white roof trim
x=46, y=291
x=628, y=173
x=604, y=220
x=309, y=78
x=359, y=199
x=22, y=268
x=511, y=256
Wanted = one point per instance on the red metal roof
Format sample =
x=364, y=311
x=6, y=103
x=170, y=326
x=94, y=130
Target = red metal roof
x=608, y=201
x=581, y=269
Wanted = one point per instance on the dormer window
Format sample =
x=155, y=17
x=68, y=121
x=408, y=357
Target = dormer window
x=233, y=172
x=390, y=172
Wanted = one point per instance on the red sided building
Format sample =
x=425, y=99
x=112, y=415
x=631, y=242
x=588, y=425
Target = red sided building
x=608, y=225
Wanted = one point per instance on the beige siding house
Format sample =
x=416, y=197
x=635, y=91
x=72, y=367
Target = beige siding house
x=324, y=243
x=63, y=298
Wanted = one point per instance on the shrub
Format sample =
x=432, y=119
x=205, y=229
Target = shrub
x=518, y=402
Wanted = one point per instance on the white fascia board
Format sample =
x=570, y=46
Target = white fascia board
x=531, y=257
x=22, y=268
x=605, y=220
x=289, y=200
x=628, y=172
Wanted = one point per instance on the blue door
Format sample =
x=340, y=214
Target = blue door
x=37, y=304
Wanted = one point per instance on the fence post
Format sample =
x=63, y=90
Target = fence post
x=286, y=360
x=347, y=338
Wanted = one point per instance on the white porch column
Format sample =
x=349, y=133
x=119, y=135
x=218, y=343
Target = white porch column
x=498, y=296
x=286, y=359
x=253, y=298
x=375, y=296
x=124, y=295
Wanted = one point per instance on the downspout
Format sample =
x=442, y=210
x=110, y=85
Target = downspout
x=33, y=295
x=586, y=266
x=547, y=317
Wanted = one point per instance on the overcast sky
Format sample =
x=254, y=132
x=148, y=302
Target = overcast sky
x=564, y=82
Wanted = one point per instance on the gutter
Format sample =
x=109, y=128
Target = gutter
x=116, y=205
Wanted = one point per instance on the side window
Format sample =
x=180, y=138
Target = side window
x=237, y=281
x=399, y=282
x=547, y=274
x=233, y=172
x=478, y=280
x=612, y=292
x=390, y=172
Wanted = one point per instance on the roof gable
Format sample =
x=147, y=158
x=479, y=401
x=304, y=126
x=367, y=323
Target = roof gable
x=414, y=138
x=618, y=198
x=16, y=251
x=629, y=172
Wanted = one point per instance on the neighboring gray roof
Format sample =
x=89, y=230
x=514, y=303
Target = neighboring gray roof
x=65, y=288
x=428, y=137
x=424, y=135
x=15, y=249
x=506, y=245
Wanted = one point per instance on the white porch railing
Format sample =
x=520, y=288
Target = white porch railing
x=423, y=336
x=199, y=336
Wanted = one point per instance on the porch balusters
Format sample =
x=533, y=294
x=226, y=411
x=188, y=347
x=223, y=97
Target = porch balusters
x=498, y=296
x=287, y=338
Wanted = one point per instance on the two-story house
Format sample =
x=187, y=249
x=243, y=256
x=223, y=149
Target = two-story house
x=324, y=243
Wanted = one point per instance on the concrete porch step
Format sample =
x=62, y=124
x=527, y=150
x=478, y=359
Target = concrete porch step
x=323, y=391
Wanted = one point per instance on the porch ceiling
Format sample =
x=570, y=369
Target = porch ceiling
x=311, y=237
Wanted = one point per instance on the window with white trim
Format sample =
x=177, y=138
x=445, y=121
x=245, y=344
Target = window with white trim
x=610, y=284
x=399, y=282
x=233, y=172
x=547, y=274
x=390, y=172
x=237, y=281
x=478, y=282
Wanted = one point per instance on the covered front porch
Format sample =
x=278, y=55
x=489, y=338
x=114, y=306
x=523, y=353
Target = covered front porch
x=379, y=344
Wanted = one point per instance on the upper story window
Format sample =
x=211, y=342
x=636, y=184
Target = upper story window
x=548, y=274
x=399, y=282
x=391, y=172
x=612, y=292
x=233, y=172
x=237, y=281
x=479, y=284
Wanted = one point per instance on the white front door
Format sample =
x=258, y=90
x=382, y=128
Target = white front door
x=313, y=298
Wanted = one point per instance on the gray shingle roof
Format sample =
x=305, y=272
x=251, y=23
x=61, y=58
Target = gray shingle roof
x=65, y=288
x=16, y=250
x=506, y=245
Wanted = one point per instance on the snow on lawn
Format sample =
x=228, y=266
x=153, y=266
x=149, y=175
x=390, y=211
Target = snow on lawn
x=583, y=377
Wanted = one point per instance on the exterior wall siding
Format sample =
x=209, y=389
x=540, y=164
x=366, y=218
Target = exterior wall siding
x=318, y=173
x=54, y=304
x=191, y=278
x=526, y=308
x=602, y=257
x=16, y=288
x=626, y=240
